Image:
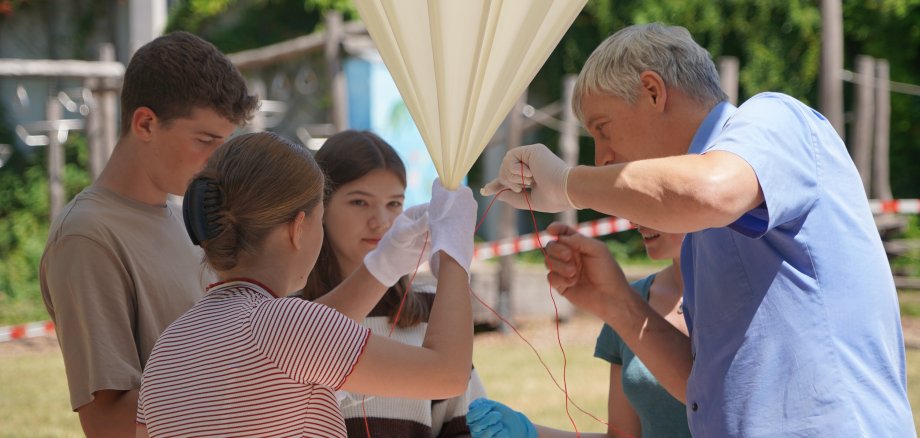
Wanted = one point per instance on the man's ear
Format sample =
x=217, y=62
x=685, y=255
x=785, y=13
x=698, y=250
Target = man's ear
x=143, y=122
x=653, y=89
x=296, y=229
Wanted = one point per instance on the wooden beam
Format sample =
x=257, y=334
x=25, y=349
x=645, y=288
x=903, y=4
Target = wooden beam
x=865, y=115
x=51, y=68
x=881, y=180
x=508, y=225
x=728, y=76
x=55, y=155
x=290, y=49
x=831, y=86
x=338, y=90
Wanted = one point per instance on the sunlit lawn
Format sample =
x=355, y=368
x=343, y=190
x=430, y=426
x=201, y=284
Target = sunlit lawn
x=34, y=401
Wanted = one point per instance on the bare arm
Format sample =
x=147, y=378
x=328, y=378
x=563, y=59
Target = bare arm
x=663, y=348
x=677, y=194
x=585, y=273
x=356, y=296
x=440, y=368
x=110, y=414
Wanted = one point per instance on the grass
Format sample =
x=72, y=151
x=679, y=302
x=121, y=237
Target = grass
x=34, y=400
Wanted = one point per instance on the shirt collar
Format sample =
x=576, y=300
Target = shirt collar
x=711, y=127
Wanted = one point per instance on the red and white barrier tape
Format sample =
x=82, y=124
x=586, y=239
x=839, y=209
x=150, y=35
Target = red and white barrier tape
x=527, y=242
x=612, y=225
x=903, y=206
x=23, y=331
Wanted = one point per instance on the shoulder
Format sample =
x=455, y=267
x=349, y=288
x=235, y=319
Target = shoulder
x=642, y=286
x=774, y=108
x=81, y=216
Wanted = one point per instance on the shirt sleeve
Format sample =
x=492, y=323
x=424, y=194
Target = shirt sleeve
x=92, y=302
x=773, y=133
x=310, y=342
x=141, y=418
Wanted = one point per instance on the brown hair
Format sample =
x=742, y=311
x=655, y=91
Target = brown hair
x=178, y=72
x=346, y=157
x=264, y=181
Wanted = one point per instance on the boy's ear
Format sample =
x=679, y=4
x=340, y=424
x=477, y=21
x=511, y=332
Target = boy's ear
x=143, y=122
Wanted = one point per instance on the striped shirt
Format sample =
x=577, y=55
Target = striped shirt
x=243, y=363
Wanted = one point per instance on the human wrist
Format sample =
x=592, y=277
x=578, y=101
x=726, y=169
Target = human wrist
x=529, y=430
x=566, y=187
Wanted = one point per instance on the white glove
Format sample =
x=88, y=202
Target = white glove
x=400, y=249
x=452, y=218
x=545, y=173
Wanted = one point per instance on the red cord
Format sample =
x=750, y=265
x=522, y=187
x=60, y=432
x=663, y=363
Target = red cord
x=564, y=387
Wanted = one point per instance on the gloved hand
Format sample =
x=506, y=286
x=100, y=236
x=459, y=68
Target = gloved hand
x=452, y=218
x=491, y=419
x=545, y=173
x=397, y=254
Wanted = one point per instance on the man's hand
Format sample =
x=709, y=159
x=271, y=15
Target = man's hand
x=537, y=168
x=582, y=269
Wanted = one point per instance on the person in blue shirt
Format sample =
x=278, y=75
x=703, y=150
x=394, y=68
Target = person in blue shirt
x=793, y=317
x=637, y=405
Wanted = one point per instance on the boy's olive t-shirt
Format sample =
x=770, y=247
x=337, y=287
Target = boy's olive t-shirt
x=115, y=273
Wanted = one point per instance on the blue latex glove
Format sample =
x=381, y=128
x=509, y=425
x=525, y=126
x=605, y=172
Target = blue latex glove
x=491, y=419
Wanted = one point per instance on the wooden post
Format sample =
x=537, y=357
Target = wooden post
x=831, y=91
x=334, y=35
x=508, y=227
x=568, y=139
x=55, y=158
x=102, y=123
x=865, y=113
x=881, y=181
x=728, y=76
x=257, y=87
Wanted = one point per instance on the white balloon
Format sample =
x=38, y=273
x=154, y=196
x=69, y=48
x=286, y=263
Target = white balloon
x=461, y=64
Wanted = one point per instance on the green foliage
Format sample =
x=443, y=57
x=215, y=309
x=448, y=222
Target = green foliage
x=908, y=263
x=24, y=209
x=235, y=25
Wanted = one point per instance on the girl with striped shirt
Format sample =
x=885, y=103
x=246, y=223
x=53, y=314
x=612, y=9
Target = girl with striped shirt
x=367, y=184
x=243, y=362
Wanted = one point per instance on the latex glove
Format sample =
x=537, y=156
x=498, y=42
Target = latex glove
x=400, y=249
x=491, y=419
x=543, y=172
x=452, y=218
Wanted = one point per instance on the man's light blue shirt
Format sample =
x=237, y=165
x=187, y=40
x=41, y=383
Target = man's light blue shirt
x=792, y=309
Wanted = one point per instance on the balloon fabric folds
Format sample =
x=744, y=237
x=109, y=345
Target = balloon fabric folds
x=460, y=65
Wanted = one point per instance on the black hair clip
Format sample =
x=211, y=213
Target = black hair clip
x=202, y=200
